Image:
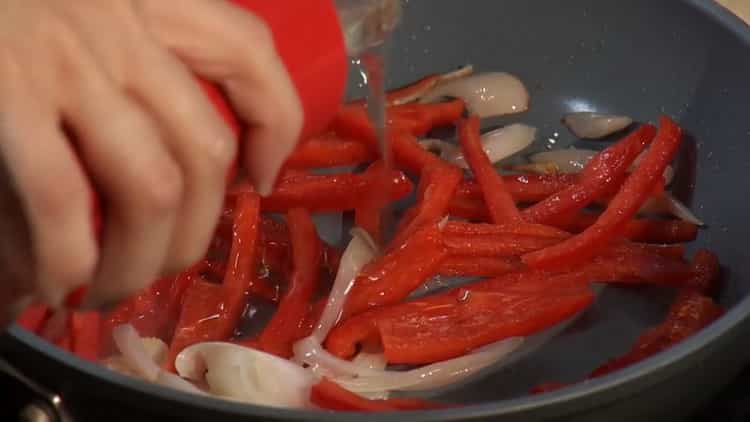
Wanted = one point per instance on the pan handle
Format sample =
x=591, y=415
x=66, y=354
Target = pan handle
x=43, y=405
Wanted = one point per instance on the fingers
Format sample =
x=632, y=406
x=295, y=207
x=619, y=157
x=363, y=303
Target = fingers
x=54, y=194
x=141, y=182
x=240, y=55
x=200, y=141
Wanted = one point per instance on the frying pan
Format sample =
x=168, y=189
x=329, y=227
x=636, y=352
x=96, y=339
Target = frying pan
x=686, y=58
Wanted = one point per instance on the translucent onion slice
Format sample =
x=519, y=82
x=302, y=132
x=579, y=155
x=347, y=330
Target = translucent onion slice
x=309, y=351
x=361, y=250
x=435, y=375
x=372, y=360
x=135, y=355
x=171, y=380
x=667, y=204
x=486, y=95
x=246, y=374
x=426, y=88
x=501, y=143
x=587, y=125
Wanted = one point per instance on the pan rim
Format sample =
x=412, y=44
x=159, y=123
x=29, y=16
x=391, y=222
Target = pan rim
x=609, y=388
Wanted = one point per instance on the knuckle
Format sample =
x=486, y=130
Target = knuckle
x=249, y=26
x=220, y=155
x=160, y=188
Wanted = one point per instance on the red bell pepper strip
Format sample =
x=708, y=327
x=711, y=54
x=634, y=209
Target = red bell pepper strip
x=450, y=324
x=623, y=207
x=85, y=333
x=329, y=193
x=606, y=170
x=211, y=311
x=33, y=318
x=706, y=273
x=638, y=268
x=353, y=123
x=690, y=313
x=201, y=319
x=419, y=119
x=499, y=201
x=65, y=343
x=469, y=208
x=437, y=187
x=281, y=332
x=329, y=151
x=174, y=299
x=495, y=245
x=522, y=229
x=331, y=396
x=524, y=188
x=530, y=188
x=478, y=266
x=240, y=277
x=393, y=276
x=639, y=229
x=369, y=212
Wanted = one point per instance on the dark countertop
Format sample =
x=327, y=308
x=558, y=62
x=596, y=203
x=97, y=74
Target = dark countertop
x=732, y=405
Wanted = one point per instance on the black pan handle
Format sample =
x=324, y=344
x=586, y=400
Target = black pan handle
x=39, y=404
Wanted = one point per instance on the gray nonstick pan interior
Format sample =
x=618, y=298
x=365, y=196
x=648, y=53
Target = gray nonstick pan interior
x=688, y=59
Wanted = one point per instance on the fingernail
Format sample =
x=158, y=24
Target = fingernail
x=265, y=163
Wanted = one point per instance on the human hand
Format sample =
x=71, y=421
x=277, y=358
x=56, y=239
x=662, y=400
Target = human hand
x=103, y=94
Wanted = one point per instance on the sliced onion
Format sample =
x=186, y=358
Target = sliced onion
x=446, y=77
x=372, y=360
x=667, y=204
x=134, y=353
x=587, y=125
x=246, y=374
x=309, y=351
x=486, y=95
x=570, y=160
x=360, y=251
x=168, y=379
x=433, y=376
x=501, y=143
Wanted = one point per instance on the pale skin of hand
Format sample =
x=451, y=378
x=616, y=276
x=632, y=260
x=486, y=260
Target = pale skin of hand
x=120, y=76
